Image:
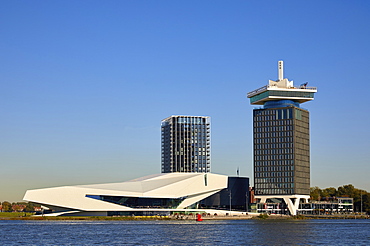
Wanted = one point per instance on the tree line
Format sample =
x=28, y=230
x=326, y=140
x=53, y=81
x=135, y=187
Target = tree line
x=18, y=207
x=360, y=197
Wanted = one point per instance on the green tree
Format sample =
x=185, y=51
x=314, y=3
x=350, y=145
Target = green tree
x=315, y=193
x=29, y=207
x=7, y=207
x=361, y=196
x=366, y=202
x=329, y=192
x=347, y=191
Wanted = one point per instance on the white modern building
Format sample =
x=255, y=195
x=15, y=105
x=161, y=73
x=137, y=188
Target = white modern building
x=156, y=194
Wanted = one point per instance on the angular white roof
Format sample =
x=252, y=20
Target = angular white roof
x=191, y=186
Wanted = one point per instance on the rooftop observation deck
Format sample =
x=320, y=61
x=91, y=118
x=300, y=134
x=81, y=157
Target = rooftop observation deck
x=270, y=87
x=272, y=92
x=281, y=89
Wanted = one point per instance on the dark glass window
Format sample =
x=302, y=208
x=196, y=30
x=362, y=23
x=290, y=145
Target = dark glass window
x=140, y=202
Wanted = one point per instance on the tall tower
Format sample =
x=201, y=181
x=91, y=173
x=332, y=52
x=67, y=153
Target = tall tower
x=186, y=144
x=281, y=141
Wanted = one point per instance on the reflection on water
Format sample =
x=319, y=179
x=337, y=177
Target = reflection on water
x=230, y=232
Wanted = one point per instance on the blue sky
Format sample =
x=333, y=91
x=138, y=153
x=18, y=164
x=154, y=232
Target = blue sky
x=84, y=85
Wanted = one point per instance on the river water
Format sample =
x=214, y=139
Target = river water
x=226, y=232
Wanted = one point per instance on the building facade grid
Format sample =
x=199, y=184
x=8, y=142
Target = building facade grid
x=281, y=151
x=186, y=144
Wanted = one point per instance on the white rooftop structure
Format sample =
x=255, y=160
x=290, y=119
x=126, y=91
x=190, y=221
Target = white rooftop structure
x=281, y=89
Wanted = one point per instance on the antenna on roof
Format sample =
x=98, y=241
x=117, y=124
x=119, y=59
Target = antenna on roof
x=281, y=70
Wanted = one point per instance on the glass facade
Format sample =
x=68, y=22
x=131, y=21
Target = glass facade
x=235, y=197
x=281, y=150
x=139, y=202
x=186, y=144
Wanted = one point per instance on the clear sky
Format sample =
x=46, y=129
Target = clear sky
x=84, y=85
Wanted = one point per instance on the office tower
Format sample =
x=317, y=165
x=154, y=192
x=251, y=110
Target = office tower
x=186, y=144
x=281, y=141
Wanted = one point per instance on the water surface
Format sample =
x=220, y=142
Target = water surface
x=229, y=232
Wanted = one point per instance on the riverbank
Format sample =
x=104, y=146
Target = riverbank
x=29, y=216
x=338, y=216
x=23, y=216
x=46, y=218
x=138, y=218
